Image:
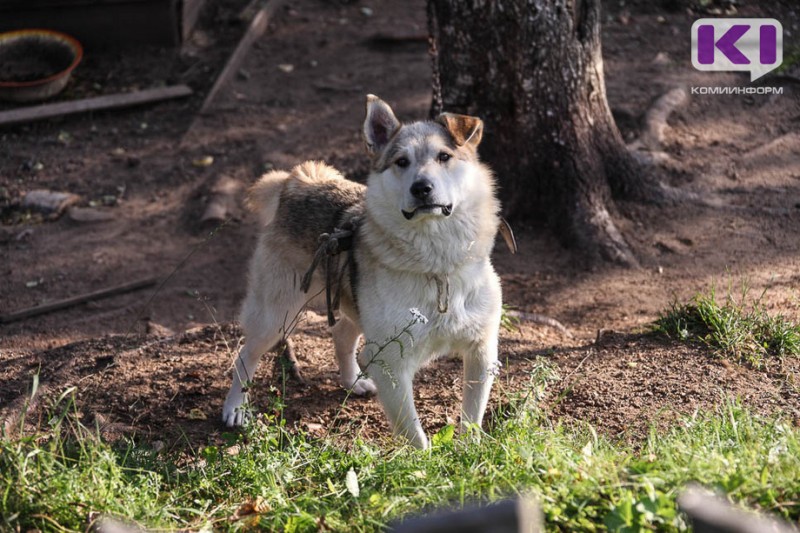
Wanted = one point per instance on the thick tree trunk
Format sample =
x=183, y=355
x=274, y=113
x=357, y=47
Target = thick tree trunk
x=533, y=71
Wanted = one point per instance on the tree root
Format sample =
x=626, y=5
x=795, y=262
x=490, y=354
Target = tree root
x=647, y=148
x=612, y=245
x=648, y=151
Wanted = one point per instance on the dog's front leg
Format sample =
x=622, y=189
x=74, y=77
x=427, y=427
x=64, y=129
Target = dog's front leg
x=480, y=366
x=393, y=374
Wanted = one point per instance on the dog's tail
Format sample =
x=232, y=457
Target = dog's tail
x=265, y=196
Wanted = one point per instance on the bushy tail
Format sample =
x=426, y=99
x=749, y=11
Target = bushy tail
x=265, y=195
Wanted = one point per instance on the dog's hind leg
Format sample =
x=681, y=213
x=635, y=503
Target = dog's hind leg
x=266, y=317
x=345, y=341
x=480, y=367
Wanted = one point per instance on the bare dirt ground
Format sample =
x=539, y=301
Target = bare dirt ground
x=155, y=363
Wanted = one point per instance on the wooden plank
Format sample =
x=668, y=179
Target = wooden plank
x=111, y=101
x=256, y=29
x=77, y=300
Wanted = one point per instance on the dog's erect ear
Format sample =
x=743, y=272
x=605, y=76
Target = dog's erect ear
x=380, y=124
x=463, y=128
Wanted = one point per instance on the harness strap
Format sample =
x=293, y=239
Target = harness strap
x=330, y=246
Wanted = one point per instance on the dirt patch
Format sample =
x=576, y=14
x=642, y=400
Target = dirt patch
x=172, y=389
x=299, y=96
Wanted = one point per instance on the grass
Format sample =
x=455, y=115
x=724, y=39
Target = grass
x=278, y=479
x=741, y=329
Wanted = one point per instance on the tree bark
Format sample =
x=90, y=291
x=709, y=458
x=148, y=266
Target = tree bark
x=533, y=71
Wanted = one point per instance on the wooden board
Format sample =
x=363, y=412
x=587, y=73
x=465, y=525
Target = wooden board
x=111, y=101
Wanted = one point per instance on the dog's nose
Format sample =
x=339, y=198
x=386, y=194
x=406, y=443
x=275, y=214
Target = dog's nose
x=421, y=189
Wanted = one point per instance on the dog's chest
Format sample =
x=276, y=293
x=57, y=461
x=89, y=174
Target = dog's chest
x=460, y=309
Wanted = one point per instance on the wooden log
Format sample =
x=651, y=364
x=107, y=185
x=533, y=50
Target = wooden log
x=221, y=200
x=77, y=300
x=99, y=103
x=256, y=29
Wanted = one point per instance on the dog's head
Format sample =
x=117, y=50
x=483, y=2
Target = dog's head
x=428, y=170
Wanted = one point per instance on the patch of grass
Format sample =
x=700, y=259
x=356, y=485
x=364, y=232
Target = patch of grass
x=277, y=479
x=791, y=57
x=740, y=330
x=509, y=321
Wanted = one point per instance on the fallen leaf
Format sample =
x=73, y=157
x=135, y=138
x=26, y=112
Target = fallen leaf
x=197, y=414
x=205, y=161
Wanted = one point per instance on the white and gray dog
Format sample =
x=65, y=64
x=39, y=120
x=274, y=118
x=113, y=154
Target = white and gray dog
x=419, y=264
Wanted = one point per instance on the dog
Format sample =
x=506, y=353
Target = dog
x=419, y=282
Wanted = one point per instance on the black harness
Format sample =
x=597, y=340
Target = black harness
x=331, y=245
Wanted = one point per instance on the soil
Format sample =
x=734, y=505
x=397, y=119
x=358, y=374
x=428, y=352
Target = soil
x=156, y=363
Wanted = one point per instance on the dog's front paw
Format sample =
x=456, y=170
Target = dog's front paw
x=235, y=412
x=362, y=387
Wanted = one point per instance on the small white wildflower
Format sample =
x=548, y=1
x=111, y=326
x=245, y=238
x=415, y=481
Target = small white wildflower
x=418, y=316
x=494, y=368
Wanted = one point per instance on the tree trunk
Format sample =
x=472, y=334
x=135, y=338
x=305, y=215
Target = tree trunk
x=533, y=71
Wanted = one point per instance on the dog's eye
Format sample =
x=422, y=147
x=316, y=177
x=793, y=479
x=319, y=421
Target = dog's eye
x=443, y=157
x=402, y=162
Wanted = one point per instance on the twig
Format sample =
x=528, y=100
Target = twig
x=575, y=370
x=77, y=300
x=256, y=29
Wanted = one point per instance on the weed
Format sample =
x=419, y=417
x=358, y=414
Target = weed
x=276, y=478
x=509, y=321
x=741, y=329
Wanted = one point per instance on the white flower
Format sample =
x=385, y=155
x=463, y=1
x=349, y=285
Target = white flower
x=494, y=368
x=419, y=318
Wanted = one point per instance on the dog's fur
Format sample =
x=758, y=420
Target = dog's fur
x=428, y=223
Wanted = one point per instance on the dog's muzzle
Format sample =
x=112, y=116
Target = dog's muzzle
x=444, y=210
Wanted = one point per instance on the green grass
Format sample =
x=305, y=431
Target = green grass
x=52, y=481
x=741, y=329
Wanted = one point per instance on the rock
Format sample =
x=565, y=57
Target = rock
x=89, y=215
x=51, y=203
x=158, y=330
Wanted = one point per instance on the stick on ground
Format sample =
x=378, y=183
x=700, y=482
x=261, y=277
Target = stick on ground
x=256, y=29
x=77, y=300
x=110, y=101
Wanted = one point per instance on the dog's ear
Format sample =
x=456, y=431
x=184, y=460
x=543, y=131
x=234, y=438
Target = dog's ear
x=380, y=124
x=464, y=129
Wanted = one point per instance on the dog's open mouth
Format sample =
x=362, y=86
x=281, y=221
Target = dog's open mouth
x=444, y=210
